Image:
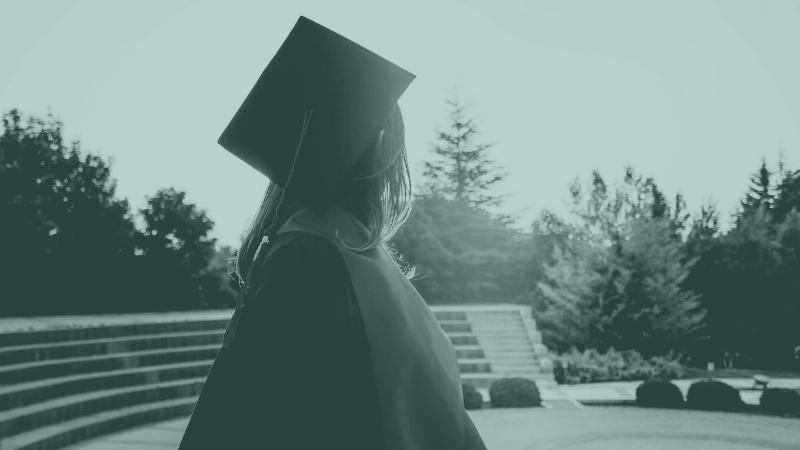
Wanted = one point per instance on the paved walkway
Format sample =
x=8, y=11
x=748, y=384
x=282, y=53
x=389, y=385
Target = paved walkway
x=626, y=390
x=590, y=428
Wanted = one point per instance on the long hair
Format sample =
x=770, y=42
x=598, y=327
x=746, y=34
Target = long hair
x=378, y=193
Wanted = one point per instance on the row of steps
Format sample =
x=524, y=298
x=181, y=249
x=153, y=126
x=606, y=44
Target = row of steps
x=61, y=386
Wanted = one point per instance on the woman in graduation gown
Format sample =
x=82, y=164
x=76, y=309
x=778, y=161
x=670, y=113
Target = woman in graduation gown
x=330, y=347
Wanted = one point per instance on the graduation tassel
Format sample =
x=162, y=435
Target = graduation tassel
x=264, y=241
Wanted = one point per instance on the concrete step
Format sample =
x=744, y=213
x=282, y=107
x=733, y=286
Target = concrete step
x=492, y=348
x=528, y=360
x=20, y=420
x=456, y=327
x=70, y=349
x=23, y=394
x=474, y=365
x=502, y=338
x=450, y=315
x=494, y=317
x=470, y=351
x=85, y=427
x=497, y=322
x=521, y=351
x=39, y=370
x=500, y=331
x=110, y=331
x=463, y=339
x=472, y=315
x=507, y=369
x=494, y=341
x=513, y=328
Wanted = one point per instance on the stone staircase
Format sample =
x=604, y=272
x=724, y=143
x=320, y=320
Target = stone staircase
x=68, y=380
x=496, y=341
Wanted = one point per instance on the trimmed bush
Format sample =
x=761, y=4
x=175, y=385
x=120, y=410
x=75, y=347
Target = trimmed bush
x=659, y=394
x=514, y=392
x=559, y=372
x=591, y=366
x=472, y=398
x=780, y=401
x=713, y=396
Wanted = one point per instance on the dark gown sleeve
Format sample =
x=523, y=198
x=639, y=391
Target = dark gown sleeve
x=297, y=372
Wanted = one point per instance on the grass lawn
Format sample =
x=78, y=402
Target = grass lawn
x=628, y=428
x=589, y=428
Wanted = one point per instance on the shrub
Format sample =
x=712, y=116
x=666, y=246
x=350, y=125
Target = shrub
x=559, y=372
x=659, y=394
x=513, y=392
x=713, y=395
x=592, y=366
x=472, y=398
x=780, y=401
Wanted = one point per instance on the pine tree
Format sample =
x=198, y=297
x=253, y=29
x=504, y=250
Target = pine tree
x=705, y=228
x=618, y=279
x=760, y=193
x=787, y=197
x=462, y=170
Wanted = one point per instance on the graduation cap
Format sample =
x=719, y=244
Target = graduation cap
x=314, y=111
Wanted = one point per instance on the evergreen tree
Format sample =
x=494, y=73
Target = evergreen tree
x=618, y=279
x=704, y=230
x=462, y=253
x=787, y=197
x=462, y=170
x=759, y=195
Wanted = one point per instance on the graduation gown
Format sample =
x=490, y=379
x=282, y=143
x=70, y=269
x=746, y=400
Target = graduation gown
x=335, y=349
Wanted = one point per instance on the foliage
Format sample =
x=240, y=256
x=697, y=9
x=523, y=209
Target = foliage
x=617, y=278
x=658, y=393
x=64, y=234
x=514, y=392
x=64, y=224
x=462, y=169
x=747, y=277
x=559, y=371
x=217, y=286
x=780, y=401
x=760, y=194
x=591, y=366
x=713, y=395
x=472, y=398
x=463, y=254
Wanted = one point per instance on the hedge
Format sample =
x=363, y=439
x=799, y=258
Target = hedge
x=780, y=401
x=714, y=396
x=472, y=398
x=514, y=392
x=659, y=394
x=591, y=366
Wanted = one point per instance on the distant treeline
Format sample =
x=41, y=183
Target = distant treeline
x=628, y=268
x=69, y=245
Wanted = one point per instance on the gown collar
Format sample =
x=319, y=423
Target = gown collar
x=336, y=224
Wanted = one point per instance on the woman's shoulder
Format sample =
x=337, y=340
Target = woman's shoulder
x=297, y=258
x=299, y=245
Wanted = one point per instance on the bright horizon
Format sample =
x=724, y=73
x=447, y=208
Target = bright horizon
x=694, y=93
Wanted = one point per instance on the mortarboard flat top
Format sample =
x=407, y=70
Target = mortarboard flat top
x=339, y=91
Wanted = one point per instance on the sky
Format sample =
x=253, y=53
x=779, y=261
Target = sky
x=694, y=93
